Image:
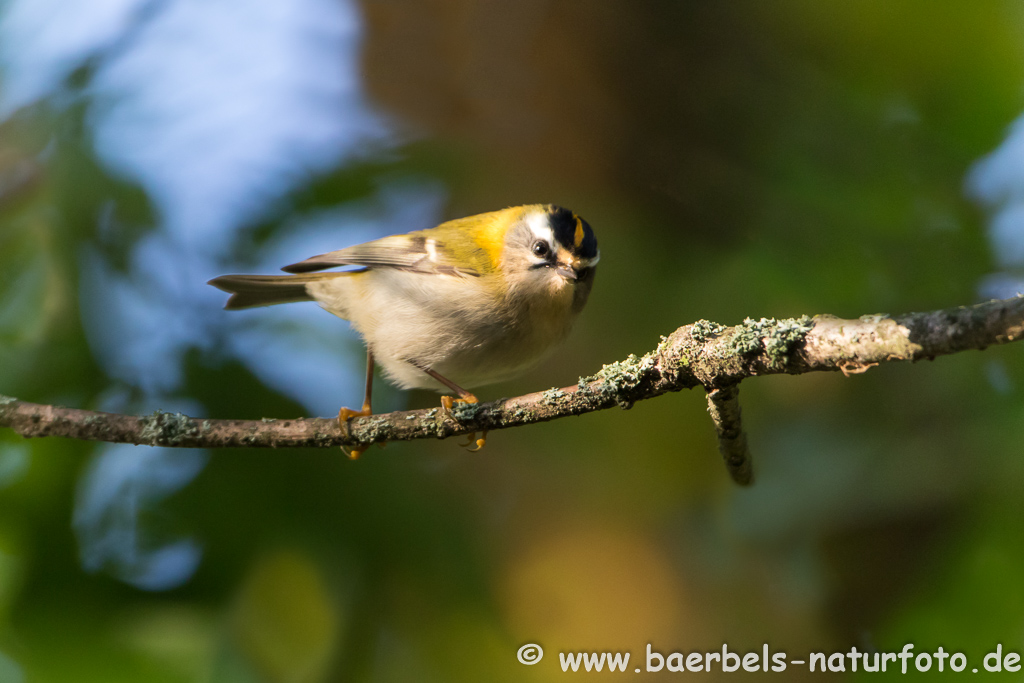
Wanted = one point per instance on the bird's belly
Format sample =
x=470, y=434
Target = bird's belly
x=453, y=326
x=490, y=353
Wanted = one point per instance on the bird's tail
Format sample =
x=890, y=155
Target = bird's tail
x=249, y=291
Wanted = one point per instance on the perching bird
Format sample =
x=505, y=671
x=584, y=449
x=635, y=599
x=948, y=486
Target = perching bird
x=470, y=302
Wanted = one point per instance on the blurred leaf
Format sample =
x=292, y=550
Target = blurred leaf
x=286, y=621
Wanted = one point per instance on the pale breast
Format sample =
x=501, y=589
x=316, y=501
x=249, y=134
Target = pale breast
x=458, y=326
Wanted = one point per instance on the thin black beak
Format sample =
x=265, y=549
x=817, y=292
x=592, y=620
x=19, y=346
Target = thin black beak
x=568, y=272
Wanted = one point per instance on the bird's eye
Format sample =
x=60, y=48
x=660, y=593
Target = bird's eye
x=541, y=248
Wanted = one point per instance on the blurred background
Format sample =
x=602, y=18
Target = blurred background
x=735, y=159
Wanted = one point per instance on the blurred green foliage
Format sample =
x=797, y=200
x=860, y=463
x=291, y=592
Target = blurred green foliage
x=736, y=159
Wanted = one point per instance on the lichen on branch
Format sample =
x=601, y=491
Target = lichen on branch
x=701, y=354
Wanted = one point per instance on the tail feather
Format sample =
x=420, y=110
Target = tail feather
x=248, y=291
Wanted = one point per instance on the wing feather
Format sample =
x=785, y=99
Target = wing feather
x=415, y=251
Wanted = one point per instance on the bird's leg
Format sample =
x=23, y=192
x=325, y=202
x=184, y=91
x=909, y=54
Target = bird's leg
x=448, y=401
x=464, y=397
x=345, y=414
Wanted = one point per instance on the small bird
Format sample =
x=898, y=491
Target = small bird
x=476, y=300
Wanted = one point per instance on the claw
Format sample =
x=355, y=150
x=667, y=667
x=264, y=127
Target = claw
x=448, y=401
x=480, y=443
x=344, y=415
x=353, y=453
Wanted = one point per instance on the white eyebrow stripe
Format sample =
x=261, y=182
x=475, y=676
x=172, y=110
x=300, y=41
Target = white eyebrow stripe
x=541, y=227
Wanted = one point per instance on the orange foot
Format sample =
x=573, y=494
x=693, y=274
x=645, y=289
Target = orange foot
x=346, y=414
x=447, y=402
x=480, y=443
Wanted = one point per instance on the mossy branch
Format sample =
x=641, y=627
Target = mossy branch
x=724, y=408
x=705, y=354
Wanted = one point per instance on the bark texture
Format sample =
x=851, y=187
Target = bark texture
x=705, y=354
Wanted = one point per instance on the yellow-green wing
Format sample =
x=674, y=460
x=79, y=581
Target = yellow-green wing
x=448, y=249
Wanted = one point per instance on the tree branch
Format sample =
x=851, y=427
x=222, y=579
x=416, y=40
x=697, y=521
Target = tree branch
x=724, y=408
x=702, y=354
